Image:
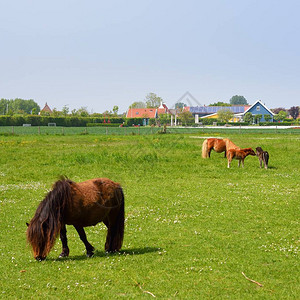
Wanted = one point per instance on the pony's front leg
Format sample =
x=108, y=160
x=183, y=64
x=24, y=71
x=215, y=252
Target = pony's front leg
x=89, y=248
x=228, y=163
x=63, y=237
x=243, y=163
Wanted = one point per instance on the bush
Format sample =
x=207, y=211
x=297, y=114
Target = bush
x=207, y=121
x=152, y=121
x=134, y=121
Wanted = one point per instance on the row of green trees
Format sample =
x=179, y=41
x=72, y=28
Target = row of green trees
x=18, y=106
x=24, y=111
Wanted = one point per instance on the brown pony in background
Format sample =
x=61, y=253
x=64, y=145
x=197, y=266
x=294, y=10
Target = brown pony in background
x=239, y=154
x=219, y=145
x=79, y=204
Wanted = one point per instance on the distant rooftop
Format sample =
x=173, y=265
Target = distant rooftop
x=214, y=109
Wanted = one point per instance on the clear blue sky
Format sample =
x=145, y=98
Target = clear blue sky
x=98, y=54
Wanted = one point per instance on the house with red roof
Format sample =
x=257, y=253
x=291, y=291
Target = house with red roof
x=46, y=109
x=147, y=113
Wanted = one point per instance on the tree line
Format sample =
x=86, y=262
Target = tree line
x=21, y=107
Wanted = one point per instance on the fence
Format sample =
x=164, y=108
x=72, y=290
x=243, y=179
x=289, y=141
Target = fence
x=56, y=130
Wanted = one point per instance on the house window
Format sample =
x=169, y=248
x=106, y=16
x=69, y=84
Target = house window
x=257, y=108
x=137, y=113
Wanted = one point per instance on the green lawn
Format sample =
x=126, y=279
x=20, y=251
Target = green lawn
x=192, y=225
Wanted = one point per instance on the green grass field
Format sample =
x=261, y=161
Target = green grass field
x=192, y=225
x=57, y=130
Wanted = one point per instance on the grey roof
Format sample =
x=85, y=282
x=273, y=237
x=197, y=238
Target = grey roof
x=215, y=109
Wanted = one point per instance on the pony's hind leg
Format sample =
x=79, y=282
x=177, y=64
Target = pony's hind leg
x=208, y=153
x=89, y=248
x=63, y=237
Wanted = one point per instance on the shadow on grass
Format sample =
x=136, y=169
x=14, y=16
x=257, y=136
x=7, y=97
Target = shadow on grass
x=133, y=251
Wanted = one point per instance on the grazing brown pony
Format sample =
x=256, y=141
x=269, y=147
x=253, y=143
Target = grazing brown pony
x=79, y=204
x=239, y=154
x=219, y=145
x=263, y=157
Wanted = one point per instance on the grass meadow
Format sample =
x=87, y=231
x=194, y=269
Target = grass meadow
x=194, y=229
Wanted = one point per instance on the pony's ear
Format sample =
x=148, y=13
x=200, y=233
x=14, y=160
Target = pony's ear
x=27, y=224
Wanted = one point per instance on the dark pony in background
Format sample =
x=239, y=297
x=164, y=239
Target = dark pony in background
x=79, y=204
x=263, y=157
x=218, y=145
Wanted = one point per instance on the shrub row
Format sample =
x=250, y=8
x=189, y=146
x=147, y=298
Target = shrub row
x=276, y=124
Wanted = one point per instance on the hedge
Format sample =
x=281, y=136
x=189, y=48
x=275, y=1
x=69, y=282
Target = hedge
x=60, y=121
x=133, y=121
x=104, y=124
x=276, y=124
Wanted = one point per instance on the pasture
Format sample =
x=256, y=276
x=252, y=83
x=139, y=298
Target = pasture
x=194, y=229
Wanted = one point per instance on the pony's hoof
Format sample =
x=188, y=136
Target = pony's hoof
x=62, y=255
x=90, y=254
x=40, y=258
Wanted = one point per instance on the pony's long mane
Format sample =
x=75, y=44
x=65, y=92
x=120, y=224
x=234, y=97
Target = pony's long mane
x=48, y=219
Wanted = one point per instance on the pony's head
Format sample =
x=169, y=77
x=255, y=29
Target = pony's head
x=44, y=227
x=38, y=238
x=250, y=151
x=258, y=150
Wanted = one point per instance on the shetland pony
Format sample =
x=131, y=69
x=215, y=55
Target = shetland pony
x=239, y=154
x=79, y=204
x=219, y=145
x=263, y=157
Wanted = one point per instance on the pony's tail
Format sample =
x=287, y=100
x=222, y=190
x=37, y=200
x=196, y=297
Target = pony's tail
x=115, y=233
x=204, y=149
x=48, y=219
x=266, y=155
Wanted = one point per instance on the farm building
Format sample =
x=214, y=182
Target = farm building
x=239, y=111
x=258, y=108
x=147, y=113
x=212, y=111
x=46, y=109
